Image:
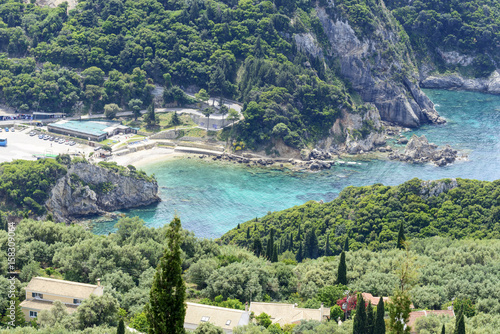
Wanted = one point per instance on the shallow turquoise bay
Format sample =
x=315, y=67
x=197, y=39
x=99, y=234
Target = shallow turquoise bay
x=212, y=199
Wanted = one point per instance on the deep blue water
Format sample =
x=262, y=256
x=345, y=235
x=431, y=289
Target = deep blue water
x=211, y=199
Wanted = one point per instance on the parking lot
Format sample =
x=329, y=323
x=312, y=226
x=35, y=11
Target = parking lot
x=20, y=145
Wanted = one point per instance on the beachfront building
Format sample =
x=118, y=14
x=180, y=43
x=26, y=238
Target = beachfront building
x=89, y=130
x=42, y=292
x=225, y=318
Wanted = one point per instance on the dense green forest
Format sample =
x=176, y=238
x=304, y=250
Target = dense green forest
x=113, y=51
x=470, y=27
x=25, y=185
x=126, y=261
x=370, y=217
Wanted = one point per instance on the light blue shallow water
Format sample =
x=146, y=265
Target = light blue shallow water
x=211, y=199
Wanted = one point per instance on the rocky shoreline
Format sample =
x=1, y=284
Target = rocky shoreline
x=417, y=150
x=489, y=85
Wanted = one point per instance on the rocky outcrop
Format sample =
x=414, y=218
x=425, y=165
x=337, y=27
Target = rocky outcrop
x=355, y=133
x=88, y=190
x=455, y=81
x=435, y=188
x=377, y=72
x=419, y=150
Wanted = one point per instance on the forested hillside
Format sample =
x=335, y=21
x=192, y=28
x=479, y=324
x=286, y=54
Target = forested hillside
x=113, y=51
x=469, y=27
x=371, y=216
x=227, y=275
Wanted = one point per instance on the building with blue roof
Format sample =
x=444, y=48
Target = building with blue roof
x=90, y=130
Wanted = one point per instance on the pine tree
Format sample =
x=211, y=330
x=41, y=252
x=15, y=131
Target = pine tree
x=370, y=319
x=121, y=327
x=328, y=251
x=342, y=270
x=166, y=308
x=175, y=119
x=460, y=327
x=379, y=320
x=359, y=324
x=401, y=237
x=299, y=254
x=346, y=244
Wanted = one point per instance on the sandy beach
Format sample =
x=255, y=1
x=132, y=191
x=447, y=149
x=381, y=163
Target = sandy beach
x=146, y=157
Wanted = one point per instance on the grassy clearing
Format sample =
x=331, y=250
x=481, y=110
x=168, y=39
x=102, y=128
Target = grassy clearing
x=165, y=119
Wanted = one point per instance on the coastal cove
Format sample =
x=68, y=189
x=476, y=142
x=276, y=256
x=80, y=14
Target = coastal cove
x=212, y=198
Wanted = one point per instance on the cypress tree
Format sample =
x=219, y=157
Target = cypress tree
x=121, y=327
x=379, y=320
x=166, y=308
x=460, y=327
x=342, y=270
x=298, y=235
x=359, y=324
x=18, y=315
x=275, y=254
x=370, y=319
x=257, y=246
x=328, y=251
x=314, y=244
x=311, y=245
x=401, y=237
x=298, y=256
x=443, y=330
x=270, y=245
x=238, y=227
x=248, y=232
x=290, y=246
x=346, y=244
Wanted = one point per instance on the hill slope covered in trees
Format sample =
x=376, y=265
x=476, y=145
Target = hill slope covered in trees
x=295, y=64
x=371, y=216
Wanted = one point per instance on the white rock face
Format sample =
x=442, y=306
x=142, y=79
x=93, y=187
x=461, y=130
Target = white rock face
x=371, y=71
x=455, y=81
x=307, y=43
x=456, y=58
x=88, y=189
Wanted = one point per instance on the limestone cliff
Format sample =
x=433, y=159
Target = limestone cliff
x=88, y=189
x=456, y=81
x=378, y=65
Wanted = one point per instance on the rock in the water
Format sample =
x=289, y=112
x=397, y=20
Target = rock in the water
x=402, y=141
x=89, y=189
x=419, y=150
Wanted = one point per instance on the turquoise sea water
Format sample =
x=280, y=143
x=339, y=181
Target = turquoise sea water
x=211, y=199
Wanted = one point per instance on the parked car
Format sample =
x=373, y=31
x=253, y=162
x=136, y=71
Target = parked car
x=97, y=148
x=6, y=129
x=40, y=137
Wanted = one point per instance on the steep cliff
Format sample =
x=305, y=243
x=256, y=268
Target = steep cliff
x=88, y=189
x=377, y=61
